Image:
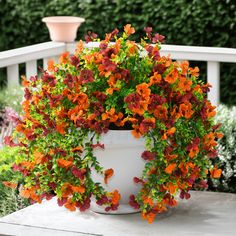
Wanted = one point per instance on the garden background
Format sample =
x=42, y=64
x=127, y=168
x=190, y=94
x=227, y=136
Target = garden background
x=183, y=22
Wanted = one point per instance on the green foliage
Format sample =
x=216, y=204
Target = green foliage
x=10, y=200
x=11, y=97
x=227, y=151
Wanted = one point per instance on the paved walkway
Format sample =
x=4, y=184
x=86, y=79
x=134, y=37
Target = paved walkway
x=205, y=214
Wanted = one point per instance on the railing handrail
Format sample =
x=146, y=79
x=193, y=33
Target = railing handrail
x=51, y=49
x=29, y=53
x=199, y=53
x=192, y=53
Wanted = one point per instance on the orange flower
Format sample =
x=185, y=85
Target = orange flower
x=79, y=47
x=77, y=189
x=77, y=149
x=184, y=84
x=209, y=141
x=160, y=112
x=169, y=201
x=174, y=114
x=39, y=157
x=185, y=110
x=193, y=152
x=184, y=167
x=132, y=47
x=170, y=157
x=60, y=128
x=70, y=205
x=28, y=165
x=168, y=133
x=172, y=76
x=170, y=168
x=10, y=184
x=25, y=82
x=172, y=188
x=108, y=174
x=64, y=57
x=30, y=193
x=148, y=200
x=66, y=189
x=144, y=91
x=115, y=197
x=215, y=172
x=110, y=115
x=184, y=66
x=210, y=111
x=149, y=217
x=194, y=72
x=51, y=65
x=129, y=30
x=155, y=79
x=136, y=133
x=64, y=163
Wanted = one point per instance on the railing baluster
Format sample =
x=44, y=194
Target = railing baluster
x=45, y=63
x=31, y=68
x=12, y=76
x=213, y=78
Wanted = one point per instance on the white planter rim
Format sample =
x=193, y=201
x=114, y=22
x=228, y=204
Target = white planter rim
x=63, y=19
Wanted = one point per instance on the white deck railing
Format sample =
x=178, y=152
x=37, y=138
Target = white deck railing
x=51, y=50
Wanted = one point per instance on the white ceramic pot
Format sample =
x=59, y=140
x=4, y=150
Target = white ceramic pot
x=63, y=28
x=122, y=153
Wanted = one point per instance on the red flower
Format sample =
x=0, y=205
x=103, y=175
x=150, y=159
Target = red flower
x=133, y=202
x=86, y=76
x=78, y=173
x=148, y=156
x=75, y=61
x=158, y=38
x=90, y=36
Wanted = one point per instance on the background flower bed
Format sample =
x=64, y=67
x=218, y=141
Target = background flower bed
x=192, y=27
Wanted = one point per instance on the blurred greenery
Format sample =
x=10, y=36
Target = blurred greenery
x=11, y=97
x=10, y=200
x=226, y=151
x=200, y=23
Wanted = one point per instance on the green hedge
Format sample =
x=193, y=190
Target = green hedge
x=203, y=23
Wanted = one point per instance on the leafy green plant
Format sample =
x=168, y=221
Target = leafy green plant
x=10, y=200
x=227, y=151
x=75, y=102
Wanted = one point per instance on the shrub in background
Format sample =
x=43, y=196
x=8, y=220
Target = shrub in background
x=227, y=151
x=10, y=199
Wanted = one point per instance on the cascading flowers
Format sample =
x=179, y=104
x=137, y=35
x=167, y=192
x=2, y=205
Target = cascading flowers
x=115, y=85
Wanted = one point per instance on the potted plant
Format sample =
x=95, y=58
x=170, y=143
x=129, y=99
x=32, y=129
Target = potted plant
x=81, y=117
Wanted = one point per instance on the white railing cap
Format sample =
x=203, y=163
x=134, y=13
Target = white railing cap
x=28, y=53
x=192, y=53
x=197, y=53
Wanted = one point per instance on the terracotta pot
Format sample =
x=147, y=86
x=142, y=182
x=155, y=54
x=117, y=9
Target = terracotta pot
x=63, y=28
x=122, y=153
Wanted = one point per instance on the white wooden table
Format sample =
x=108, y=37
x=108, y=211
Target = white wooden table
x=206, y=213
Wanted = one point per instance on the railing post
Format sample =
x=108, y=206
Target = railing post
x=12, y=76
x=213, y=78
x=31, y=68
